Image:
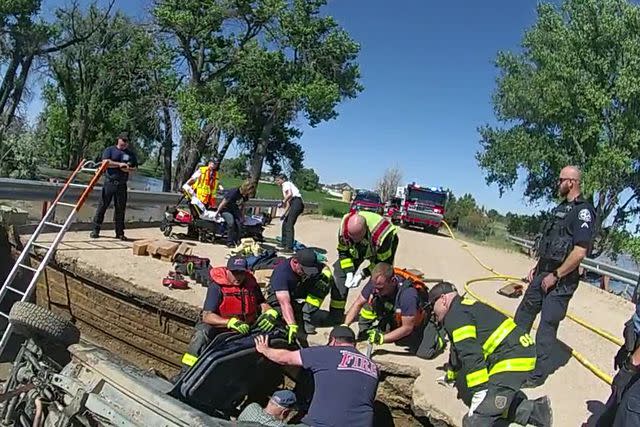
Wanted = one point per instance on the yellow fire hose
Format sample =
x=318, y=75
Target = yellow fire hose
x=503, y=277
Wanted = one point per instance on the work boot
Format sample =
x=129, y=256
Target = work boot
x=94, y=234
x=542, y=414
x=335, y=318
x=122, y=237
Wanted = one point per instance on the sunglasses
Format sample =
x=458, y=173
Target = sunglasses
x=561, y=180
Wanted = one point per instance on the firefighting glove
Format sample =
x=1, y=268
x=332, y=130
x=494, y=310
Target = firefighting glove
x=267, y=320
x=620, y=358
x=449, y=378
x=375, y=336
x=349, y=279
x=476, y=400
x=292, y=333
x=238, y=326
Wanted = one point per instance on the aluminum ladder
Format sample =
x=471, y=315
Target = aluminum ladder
x=47, y=221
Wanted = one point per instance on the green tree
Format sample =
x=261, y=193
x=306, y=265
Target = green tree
x=306, y=179
x=570, y=97
x=235, y=167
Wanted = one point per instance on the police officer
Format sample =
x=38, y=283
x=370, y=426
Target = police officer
x=392, y=304
x=489, y=360
x=362, y=236
x=345, y=380
x=620, y=409
x=565, y=241
x=296, y=290
x=121, y=162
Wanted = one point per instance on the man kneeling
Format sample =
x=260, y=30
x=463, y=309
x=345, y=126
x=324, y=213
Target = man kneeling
x=389, y=302
x=232, y=304
x=489, y=361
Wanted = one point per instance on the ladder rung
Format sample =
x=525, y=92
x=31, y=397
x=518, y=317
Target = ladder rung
x=70, y=205
x=27, y=267
x=15, y=290
x=53, y=224
x=4, y=315
x=71, y=184
x=89, y=170
x=40, y=245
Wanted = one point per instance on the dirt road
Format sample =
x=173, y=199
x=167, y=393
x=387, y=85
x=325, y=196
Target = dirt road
x=575, y=392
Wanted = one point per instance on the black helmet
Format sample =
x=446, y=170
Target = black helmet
x=440, y=289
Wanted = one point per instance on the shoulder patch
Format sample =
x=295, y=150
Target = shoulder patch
x=584, y=215
x=467, y=301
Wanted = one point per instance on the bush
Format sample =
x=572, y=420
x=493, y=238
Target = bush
x=476, y=225
x=24, y=157
x=332, y=211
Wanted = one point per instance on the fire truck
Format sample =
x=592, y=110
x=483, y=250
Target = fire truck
x=420, y=206
x=365, y=200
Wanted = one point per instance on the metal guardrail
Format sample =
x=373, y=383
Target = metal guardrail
x=629, y=277
x=19, y=189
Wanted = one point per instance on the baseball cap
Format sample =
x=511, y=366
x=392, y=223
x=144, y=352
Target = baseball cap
x=344, y=332
x=440, y=289
x=308, y=261
x=237, y=263
x=284, y=398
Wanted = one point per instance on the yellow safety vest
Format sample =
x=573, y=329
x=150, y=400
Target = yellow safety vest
x=206, y=186
x=379, y=228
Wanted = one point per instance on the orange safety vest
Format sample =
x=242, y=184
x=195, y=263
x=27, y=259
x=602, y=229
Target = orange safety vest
x=206, y=186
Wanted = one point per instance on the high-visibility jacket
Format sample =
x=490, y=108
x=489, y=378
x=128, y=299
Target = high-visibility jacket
x=377, y=246
x=485, y=342
x=206, y=186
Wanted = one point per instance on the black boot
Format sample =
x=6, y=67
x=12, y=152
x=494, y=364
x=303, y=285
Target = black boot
x=542, y=414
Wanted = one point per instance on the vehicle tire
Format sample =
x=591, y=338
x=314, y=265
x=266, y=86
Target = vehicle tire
x=33, y=321
x=167, y=231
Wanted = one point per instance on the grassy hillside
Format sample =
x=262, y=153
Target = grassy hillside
x=328, y=205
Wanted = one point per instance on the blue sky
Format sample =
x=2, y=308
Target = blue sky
x=427, y=68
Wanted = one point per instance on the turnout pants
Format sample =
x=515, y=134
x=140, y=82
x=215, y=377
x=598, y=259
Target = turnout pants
x=553, y=308
x=296, y=207
x=116, y=191
x=202, y=336
x=505, y=400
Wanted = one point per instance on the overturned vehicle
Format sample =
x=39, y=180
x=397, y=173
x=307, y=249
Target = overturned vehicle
x=57, y=381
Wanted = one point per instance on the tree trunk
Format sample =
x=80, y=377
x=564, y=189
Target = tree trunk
x=189, y=156
x=225, y=147
x=260, y=152
x=18, y=89
x=7, y=82
x=167, y=148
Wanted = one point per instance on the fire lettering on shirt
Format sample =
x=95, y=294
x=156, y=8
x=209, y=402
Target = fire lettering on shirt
x=357, y=362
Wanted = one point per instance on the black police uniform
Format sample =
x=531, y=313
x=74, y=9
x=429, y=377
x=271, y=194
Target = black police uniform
x=489, y=352
x=572, y=224
x=114, y=188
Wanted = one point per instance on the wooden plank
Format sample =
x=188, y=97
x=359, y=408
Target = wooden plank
x=140, y=247
x=167, y=249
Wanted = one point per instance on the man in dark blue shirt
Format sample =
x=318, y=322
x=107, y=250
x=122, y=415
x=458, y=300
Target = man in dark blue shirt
x=294, y=282
x=345, y=380
x=121, y=162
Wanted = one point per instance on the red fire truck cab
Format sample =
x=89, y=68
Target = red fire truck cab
x=421, y=206
x=367, y=201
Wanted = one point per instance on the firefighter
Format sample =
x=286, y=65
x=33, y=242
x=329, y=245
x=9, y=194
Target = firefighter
x=566, y=240
x=296, y=290
x=232, y=304
x=625, y=389
x=203, y=185
x=490, y=359
x=390, y=302
x=362, y=236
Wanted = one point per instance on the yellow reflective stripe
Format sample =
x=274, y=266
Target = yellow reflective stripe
x=522, y=364
x=467, y=301
x=385, y=255
x=337, y=304
x=498, y=336
x=326, y=272
x=313, y=300
x=367, y=314
x=346, y=263
x=451, y=375
x=463, y=333
x=478, y=377
x=189, y=359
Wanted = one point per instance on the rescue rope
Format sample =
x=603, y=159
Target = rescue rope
x=503, y=277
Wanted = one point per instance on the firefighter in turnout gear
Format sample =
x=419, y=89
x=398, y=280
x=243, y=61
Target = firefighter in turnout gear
x=362, y=236
x=566, y=239
x=297, y=287
x=490, y=359
x=232, y=304
x=391, y=309
x=203, y=186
